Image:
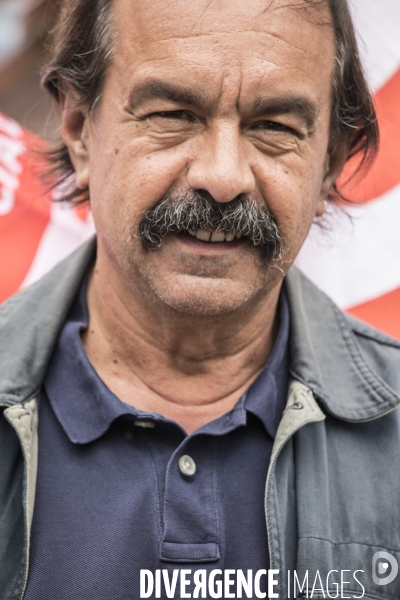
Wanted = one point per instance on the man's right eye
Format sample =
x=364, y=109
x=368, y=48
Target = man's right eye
x=173, y=114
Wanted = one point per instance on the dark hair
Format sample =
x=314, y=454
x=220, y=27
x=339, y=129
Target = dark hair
x=83, y=45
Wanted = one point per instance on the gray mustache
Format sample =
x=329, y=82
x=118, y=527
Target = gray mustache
x=198, y=210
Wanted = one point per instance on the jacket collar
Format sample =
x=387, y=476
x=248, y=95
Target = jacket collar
x=326, y=356
x=324, y=352
x=30, y=323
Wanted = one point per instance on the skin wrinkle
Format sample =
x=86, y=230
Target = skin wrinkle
x=202, y=34
x=310, y=7
x=204, y=353
x=228, y=34
x=203, y=14
x=294, y=144
x=154, y=89
x=302, y=6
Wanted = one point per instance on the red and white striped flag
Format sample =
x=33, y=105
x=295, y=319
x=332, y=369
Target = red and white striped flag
x=35, y=233
x=357, y=262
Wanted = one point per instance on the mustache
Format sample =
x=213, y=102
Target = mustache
x=198, y=210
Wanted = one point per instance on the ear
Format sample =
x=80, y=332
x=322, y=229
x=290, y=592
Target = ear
x=75, y=131
x=335, y=160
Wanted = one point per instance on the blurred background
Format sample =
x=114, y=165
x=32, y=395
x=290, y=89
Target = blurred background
x=356, y=260
x=24, y=29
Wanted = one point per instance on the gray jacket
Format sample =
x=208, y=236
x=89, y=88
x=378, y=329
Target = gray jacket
x=333, y=489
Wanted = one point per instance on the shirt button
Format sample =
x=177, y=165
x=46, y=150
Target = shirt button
x=187, y=465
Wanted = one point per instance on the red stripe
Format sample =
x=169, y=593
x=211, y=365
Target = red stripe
x=22, y=229
x=20, y=235
x=383, y=313
x=385, y=172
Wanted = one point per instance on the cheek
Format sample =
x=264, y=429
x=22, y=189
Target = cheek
x=291, y=189
x=131, y=178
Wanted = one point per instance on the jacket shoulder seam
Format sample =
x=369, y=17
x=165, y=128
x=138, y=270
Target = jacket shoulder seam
x=368, y=545
x=376, y=383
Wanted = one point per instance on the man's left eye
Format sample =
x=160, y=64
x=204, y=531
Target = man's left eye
x=272, y=126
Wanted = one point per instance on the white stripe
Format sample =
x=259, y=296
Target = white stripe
x=378, y=27
x=64, y=233
x=359, y=260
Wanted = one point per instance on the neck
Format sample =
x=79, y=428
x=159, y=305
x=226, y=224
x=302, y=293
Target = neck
x=191, y=369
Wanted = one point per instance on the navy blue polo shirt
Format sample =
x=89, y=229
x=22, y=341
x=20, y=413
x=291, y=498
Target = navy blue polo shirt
x=112, y=498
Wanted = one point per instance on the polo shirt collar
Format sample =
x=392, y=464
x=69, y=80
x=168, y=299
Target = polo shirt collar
x=71, y=377
x=266, y=397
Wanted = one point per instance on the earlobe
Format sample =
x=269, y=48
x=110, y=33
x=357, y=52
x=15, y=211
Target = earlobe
x=334, y=162
x=75, y=134
x=320, y=207
x=325, y=188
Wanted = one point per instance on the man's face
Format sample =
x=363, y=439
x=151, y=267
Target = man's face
x=227, y=98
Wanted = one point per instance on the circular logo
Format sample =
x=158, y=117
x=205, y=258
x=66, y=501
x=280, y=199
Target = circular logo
x=380, y=568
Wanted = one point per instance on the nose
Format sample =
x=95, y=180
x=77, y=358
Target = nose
x=220, y=166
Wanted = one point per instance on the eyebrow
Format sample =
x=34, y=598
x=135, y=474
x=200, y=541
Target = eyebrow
x=299, y=106
x=155, y=89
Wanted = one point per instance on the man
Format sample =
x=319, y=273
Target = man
x=182, y=410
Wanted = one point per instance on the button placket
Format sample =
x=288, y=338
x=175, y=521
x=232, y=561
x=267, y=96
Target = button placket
x=191, y=531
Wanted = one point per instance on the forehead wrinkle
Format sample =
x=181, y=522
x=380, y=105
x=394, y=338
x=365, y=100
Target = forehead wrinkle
x=240, y=90
x=304, y=6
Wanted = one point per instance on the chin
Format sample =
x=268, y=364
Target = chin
x=205, y=296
